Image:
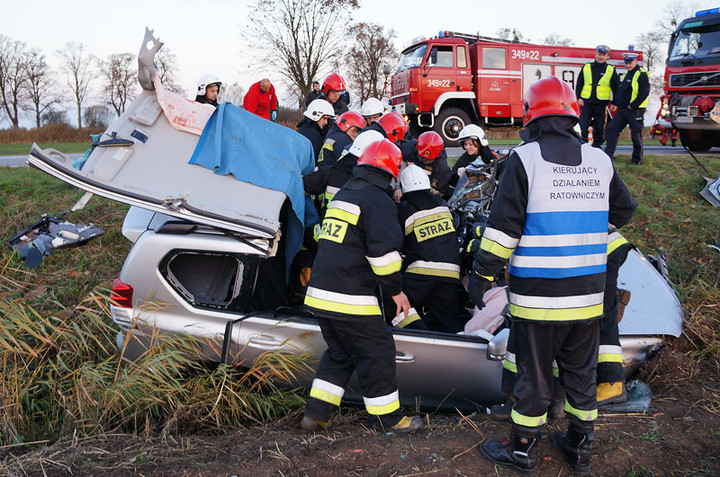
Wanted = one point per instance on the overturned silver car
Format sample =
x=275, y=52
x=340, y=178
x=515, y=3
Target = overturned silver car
x=202, y=240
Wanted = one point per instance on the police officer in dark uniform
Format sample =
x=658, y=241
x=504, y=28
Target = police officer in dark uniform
x=549, y=219
x=359, y=249
x=595, y=85
x=630, y=101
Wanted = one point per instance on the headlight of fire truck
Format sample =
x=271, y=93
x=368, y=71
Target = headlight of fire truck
x=665, y=108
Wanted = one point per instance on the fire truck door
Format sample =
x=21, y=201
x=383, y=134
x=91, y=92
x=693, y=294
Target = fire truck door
x=568, y=74
x=439, y=75
x=495, y=83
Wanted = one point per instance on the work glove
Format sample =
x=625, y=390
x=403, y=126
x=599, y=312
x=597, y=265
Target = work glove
x=477, y=287
x=273, y=115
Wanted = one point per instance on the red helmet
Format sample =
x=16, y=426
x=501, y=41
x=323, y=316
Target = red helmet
x=549, y=97
x=394, y=126
x=383, y=155
x=429, y=146
x=350, y=119
x=334, y=82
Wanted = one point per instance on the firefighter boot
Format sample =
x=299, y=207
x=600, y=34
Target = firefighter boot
x=575, y=447
x=501, y=412
x=519, y=452
x=611, y=393
x=318, y=415
x=397, y=423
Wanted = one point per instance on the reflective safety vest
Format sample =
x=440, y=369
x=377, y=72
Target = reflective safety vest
x=602, y=89
x=635, y=87
x=556, y=267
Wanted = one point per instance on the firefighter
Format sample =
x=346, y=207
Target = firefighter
x=392, y=126
x=629, y=104
x=359, y=249
x=431, y=275
x=208, y=87
x=312, y=125
x=327, y=181
x=549, y=218
x=332, y=89
x=610, y=374
x=473, y=140
x=341, y=134
x=431, y=157
x=372, y=109
x=596, y=83
x=261, y=100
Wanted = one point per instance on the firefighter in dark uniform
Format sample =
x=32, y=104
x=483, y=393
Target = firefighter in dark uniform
x=430, y=156
x=431, y=274
x=549, y=219
x=327, y=181
x=610, y=374
x=596, y=84
x=630, y=101
x=332, y=90
x=359, y=248
x=342, y=133
x=313, y=124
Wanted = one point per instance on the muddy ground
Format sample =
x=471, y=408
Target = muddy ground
x=679, y=436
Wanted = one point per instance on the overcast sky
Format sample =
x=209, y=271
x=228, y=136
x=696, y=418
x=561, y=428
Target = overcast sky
x=205, y=35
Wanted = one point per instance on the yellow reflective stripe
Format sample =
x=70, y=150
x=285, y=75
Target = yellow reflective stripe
x=615, y=243
x=389, y=263
x=565, y=314
x=609, y=354
x=528, y=421
x=434, y=269
x=602, y=89
x=557, y=302
x=512, y=367
x=507, y=241
x=425, y=216
x=336, y=213
x=342, y=307
x=326, y=391
x=381, y=405
x=403, y=322
x=580, y=414
x=495, y=248
x=556, y=372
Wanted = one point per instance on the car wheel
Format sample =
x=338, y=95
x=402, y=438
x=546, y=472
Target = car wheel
x=696, y=141
x=449, y=123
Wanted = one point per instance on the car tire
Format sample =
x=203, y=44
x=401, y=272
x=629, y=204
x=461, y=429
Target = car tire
x=449, y=123
x=696, y=141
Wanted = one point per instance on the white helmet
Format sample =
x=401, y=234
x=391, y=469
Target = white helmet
x=363, y=140
x=473, y=131
x=372, y=107
x=414, y=178
x=317, y=109
x=205, y=81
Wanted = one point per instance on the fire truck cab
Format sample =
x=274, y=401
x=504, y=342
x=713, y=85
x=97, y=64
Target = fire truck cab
x=692, y=81
x=454, y=79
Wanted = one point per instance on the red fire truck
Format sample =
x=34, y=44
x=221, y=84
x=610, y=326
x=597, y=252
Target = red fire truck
x=454, y=79
x=692, y=81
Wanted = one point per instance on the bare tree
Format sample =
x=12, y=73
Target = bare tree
x=233, y=93
x=166, y=64
x=653, y=44
x=40, y=84
x=298, y=38
x=675, y=12
x=120, y=79
x=556, y=40
x=13, y=78
x=78, y=72
x=97, y=116
x=511, y=34
x=372, y=49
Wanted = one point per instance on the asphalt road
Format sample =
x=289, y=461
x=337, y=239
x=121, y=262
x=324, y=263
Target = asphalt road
x=651, y=149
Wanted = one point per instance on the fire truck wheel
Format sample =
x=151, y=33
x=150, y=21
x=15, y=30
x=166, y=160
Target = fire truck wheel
x=449, y=123
x=696, y=141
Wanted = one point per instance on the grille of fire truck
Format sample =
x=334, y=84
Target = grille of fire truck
x=695, y=80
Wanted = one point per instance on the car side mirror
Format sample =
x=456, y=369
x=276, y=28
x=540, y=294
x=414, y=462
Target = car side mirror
x=497, y=347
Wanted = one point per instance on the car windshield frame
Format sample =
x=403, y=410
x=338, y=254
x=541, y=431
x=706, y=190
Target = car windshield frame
x=412, y=59
x=690, y=43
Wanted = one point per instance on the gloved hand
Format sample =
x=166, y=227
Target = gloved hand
x=273, y=115
x=477, y=287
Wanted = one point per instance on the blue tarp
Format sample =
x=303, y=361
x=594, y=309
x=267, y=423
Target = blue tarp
x=262, y=153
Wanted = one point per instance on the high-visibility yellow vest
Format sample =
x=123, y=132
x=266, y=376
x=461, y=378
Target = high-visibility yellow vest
x=635, y=87
x=602, y=90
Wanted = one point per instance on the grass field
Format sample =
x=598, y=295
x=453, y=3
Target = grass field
x=66, y=147
x=61, y=374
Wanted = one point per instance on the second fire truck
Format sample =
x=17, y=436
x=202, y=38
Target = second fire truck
x=454, y=79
